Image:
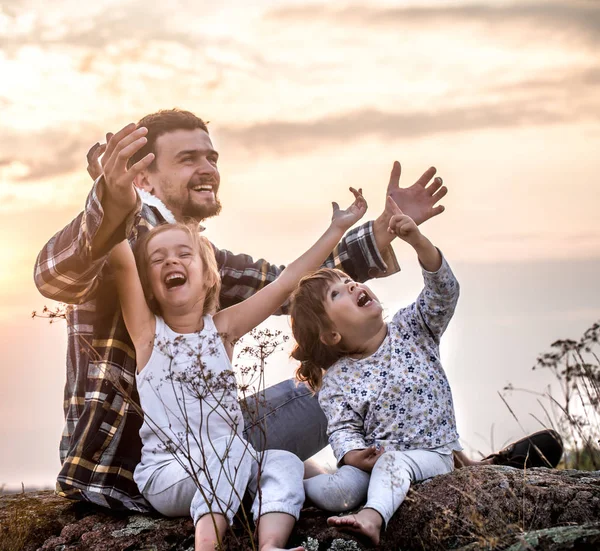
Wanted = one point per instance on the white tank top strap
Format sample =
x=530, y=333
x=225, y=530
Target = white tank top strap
x=209, y=323
x=161, y=328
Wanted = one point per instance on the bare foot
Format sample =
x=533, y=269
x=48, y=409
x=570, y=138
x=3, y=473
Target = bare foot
x=366, y=522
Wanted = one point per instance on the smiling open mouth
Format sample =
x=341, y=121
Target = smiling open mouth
x=363, y=299
x=175, y=280
x=206, y=188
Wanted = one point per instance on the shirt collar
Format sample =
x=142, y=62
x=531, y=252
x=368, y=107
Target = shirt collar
x=153, y=201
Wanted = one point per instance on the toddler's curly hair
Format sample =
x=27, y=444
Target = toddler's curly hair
x=309, y=322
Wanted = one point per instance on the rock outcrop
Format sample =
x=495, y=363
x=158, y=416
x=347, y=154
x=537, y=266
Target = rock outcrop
x=472, y=508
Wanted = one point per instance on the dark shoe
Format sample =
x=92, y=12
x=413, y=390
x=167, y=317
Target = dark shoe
x=540, y=449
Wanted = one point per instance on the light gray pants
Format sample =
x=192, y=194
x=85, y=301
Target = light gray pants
x=222, y=482
x=384, y=489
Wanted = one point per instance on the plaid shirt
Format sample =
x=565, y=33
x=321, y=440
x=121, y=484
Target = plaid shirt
x=100, y=444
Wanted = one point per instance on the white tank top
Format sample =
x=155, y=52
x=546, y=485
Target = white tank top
x=188, y=393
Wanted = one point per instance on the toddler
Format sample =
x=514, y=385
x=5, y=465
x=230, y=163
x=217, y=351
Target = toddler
x=382, y=387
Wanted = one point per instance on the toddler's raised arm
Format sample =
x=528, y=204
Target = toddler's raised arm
x=436, y=303
x=237, y=320
x=139, y=320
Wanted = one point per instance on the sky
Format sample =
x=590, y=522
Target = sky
x=304, y=100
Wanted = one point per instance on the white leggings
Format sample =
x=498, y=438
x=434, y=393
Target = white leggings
x=224, y=482
x=384, y=489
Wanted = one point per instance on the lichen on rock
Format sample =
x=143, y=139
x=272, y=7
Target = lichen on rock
x=485, y=507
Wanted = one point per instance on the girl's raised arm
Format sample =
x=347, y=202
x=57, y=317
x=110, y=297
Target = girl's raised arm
x=236, y=321
x=139, y=320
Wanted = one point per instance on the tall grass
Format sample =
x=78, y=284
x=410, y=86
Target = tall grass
x=571, y=405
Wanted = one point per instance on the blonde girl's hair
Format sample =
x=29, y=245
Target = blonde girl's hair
x=207, y=255
x=309, y=322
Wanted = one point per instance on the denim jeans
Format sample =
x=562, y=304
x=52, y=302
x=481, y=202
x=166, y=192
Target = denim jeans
x=286, y=416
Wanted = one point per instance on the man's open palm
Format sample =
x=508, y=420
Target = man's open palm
x=419, y=200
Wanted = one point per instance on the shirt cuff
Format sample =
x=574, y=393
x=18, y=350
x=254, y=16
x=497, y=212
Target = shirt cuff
x=346, y=443
x=389, y=262
x=381, y=263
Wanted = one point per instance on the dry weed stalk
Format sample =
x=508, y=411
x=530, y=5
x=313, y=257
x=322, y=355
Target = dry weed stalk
x=221, y=390
x=575, y=411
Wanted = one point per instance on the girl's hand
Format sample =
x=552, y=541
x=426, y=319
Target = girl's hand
x=344, y=219
x=364, y=459
x=403, y=225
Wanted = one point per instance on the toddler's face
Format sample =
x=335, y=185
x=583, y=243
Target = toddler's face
x=350, y=305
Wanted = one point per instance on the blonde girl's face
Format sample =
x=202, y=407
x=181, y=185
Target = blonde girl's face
x=175, y=269
x=351, y=305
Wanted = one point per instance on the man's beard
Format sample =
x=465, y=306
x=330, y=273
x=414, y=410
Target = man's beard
x=201, y=212
x=184, y=206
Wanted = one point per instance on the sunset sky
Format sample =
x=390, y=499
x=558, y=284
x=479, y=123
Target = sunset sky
x=304, y=100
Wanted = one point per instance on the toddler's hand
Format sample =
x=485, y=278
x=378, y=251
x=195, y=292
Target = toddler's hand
x=364, y=459
x=402, y=225
x=344, y=219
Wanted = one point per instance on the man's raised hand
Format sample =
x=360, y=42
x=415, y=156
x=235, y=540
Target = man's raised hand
x=419, y=200
x=119, y=149
x=346, y=218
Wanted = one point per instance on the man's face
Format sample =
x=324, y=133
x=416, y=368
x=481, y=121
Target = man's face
x=185, y=177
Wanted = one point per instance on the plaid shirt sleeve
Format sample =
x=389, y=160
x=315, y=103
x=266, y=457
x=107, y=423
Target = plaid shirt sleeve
x=356, y=254
x=66, y=269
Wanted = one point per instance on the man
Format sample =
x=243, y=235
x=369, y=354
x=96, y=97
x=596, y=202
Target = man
x=170, y=158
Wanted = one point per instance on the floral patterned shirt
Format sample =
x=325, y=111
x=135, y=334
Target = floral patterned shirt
x=399, y=397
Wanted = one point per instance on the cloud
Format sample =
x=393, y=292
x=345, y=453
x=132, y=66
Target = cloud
x=47, y=153
x=580, y=16
x=97, y=28
x=294, y=136
x=122, y=32
x=571, y=81
x=572, y=96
